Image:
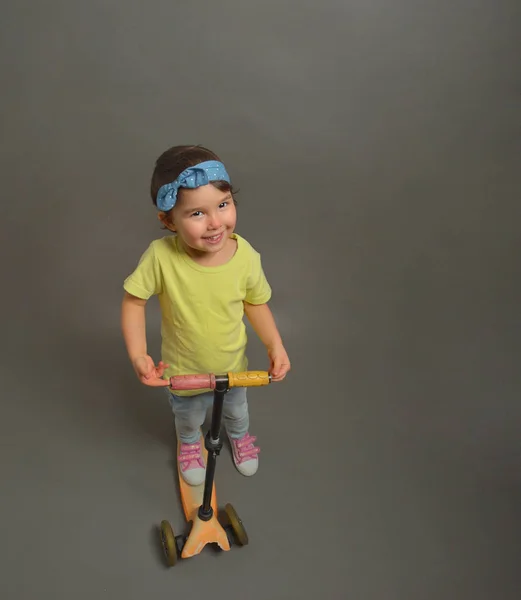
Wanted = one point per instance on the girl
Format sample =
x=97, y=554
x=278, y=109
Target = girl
x=206, y=278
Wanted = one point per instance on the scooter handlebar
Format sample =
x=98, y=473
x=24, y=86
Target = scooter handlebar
x=249, y=379
x=200, y=382
x=192, y=382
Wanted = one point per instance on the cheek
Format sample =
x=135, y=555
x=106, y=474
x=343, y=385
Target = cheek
x=231, y=216
x=194, y=228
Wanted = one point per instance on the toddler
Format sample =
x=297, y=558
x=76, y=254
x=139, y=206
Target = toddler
x=206, y=277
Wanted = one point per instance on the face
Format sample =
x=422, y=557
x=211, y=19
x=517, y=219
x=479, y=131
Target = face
x=204, y=218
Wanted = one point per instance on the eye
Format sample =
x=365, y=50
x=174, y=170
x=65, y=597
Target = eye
x=223, y=204
x=196, y=213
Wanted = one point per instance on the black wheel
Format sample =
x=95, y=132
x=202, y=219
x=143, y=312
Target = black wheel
x=238, y=528
x=168, y=543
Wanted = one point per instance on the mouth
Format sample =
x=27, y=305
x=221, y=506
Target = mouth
x=214, y=239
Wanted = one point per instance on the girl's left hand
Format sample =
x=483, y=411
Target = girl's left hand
x=279, y=362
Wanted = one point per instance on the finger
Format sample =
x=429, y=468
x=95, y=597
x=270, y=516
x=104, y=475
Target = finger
x=277, y=363
x=284, y=368
x=155, y=381
x=162, y=367
x=159, y=383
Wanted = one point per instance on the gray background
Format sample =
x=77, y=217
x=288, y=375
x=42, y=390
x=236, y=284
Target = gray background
x=376, y=145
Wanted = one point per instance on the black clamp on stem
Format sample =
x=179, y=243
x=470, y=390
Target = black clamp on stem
x=211, y=445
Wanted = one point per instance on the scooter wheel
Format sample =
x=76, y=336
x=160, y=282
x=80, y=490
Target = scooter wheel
x=237, y=526
x=168, y=543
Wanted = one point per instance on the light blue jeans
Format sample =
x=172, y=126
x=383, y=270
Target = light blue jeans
x=190, y=413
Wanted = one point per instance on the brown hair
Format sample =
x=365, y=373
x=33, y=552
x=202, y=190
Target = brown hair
x=175, y=160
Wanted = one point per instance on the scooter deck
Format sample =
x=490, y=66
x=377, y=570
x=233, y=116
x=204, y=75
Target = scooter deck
x=202, y=532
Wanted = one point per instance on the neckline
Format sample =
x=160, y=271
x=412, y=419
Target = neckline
x=203, y=268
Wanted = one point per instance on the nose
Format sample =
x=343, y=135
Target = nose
x=214, y=222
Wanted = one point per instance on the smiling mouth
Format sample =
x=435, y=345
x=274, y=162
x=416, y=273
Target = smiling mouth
x=214, y=238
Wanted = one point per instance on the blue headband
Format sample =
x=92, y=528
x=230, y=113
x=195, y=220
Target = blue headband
x=193, y=177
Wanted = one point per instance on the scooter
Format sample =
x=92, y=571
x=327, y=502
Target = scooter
x=200, y=502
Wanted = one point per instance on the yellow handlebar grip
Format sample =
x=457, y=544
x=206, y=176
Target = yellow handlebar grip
x=249, y=379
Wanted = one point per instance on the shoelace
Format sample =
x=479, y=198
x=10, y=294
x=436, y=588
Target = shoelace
x=244, y=448
x=189, y=454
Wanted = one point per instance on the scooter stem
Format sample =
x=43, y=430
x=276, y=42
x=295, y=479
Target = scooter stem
x=213, y=445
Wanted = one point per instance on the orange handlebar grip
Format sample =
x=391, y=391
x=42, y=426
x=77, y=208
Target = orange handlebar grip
x=192, y=382
x=249, y=379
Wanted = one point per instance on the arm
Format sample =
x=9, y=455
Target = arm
x=133, y=325
x=263, y=323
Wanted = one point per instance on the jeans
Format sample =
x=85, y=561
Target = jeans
x=190, y=413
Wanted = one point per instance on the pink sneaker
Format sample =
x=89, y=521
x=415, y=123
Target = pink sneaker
x=191, y=463
x=245, y=454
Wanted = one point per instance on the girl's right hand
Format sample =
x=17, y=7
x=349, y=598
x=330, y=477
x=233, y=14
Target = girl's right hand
x=150, y=374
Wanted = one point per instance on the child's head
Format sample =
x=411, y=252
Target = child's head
x=196, y=202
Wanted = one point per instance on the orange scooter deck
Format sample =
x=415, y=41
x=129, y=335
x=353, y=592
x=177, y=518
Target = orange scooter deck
x=202, y=532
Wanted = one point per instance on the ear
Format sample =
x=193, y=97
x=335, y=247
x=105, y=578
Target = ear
x=165, y=219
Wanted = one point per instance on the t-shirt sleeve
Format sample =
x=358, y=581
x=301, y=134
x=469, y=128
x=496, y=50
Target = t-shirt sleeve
x=258, y=290
x=146, y=279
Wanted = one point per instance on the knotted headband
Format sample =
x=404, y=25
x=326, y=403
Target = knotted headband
x=193, y=177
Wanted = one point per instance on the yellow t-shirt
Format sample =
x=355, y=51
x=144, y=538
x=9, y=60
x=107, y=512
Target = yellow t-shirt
x=202, y=308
